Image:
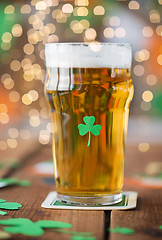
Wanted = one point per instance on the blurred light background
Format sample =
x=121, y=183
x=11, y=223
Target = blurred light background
x=26, y=26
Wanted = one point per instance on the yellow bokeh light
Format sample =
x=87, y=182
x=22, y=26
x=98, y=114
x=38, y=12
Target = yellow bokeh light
x=44, y=137
x=51, y=3
x=33, y=38
x=142, y=55
x=25, y=62
x=52, y=38
x=67, y=8
x=4, y=76
x=25, y=9
x=28, y=76
x=108, y=32
x=143, y=147
x=114, y=21
x=31, y=19
x=8, y=83
x=139, y=70
x=14, y=96
x=33, y=94
x=145, y=106
x=34, y=2
x=3, y=108
x=44, y=113
x=41, y=5
x=25, y=134
x=15, y=65
x=38, y=24
x=28, y=48
x=26, y=99
x=51, y=127
x=77, y=27
x=4, y=118
x=12, y=143
x=159, y=30
x=147, y=31
x=41, y=15
x=90, y=34
x=5, y=46
x=120, y=32
x=133, y=5
x=45, y=31
x=80, y=11
x=51, y=27
x=147, y=96
x=81, y=2
x=9, y=9
x=6, y=37
x=34, y=121
x=17, y=30
x=59, y=16
x=13, y=132
x=159, y=59
x=154, y=16
x=99, y=10
x=34, y=112
x=151, y=79
x=3, y=145
x=85, y=23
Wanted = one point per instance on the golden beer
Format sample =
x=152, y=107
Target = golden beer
x=89, y=107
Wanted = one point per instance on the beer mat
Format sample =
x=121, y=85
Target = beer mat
x=129, y=201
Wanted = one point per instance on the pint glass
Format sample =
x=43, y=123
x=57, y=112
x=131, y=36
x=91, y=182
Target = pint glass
x=89, y=89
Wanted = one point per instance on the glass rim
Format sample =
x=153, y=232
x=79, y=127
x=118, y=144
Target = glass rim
x=124, y=44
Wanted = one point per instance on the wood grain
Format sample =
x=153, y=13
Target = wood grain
x=144, y=220
x=147, y=217
x=32, y=197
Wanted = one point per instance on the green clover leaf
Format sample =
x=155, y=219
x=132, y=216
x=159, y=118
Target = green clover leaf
x=9, y=205
x=27, y=227
x=89, y=127
x=121, y=230
x=13, y=181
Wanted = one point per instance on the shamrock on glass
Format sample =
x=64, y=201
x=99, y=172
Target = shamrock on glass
x=89, y=127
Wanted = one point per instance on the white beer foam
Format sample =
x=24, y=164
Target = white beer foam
x=88, y=55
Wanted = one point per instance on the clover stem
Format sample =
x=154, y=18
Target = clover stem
x=89, y=139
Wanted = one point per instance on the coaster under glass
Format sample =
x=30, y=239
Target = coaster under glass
x=91, y=201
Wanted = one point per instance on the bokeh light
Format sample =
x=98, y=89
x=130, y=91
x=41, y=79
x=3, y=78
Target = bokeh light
x=143, y=147
x=17, y=30
x=147, y=96
x=9, y=9
x=99, y=10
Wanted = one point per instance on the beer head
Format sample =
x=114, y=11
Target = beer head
x=88, y=55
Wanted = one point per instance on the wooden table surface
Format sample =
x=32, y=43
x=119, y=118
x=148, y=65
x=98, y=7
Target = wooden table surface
x=144, y=220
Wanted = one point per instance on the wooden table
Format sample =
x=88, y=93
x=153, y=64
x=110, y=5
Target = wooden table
x=145, y=219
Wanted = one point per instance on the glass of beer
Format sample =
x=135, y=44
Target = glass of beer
x=89, y=89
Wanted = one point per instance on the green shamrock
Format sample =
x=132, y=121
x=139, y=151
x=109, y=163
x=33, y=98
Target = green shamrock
x=8, y=205
x=13, y=181
x=27, y=227
x=89, y=127
x=121, y=230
